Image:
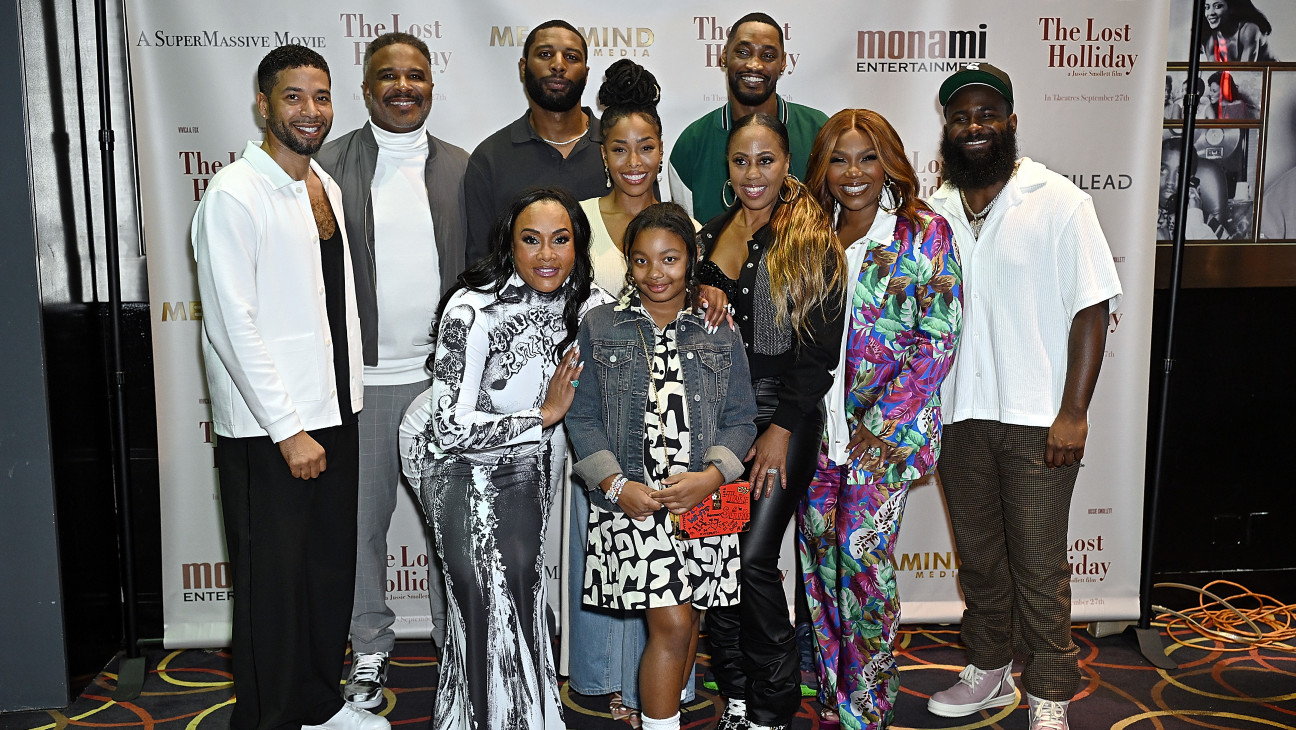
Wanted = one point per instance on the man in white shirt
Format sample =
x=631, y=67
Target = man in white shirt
x=406, y=221
x=281, y=343
x=1039, y=282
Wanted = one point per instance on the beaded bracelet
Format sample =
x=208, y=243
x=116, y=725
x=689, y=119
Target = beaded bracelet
x=614, y=491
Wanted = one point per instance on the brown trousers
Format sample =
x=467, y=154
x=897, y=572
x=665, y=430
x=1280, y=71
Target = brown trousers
x=1009, y=511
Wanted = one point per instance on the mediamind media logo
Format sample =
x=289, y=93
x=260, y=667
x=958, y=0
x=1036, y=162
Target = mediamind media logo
x=930, y=565
x=603, y=41
x=918, y=51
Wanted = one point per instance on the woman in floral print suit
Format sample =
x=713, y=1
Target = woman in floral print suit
x=883, y=430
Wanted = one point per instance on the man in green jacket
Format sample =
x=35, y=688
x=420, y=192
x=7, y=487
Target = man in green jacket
x=754, y=59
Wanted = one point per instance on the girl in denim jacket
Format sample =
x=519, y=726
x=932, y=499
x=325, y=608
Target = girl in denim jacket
x=664, y=414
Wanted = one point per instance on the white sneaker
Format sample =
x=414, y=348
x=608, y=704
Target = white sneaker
x=364, y=688
x=976, y=689
x=1047, y=714
x=352, y=718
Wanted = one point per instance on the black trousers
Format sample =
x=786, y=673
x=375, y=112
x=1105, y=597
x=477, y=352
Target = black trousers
x=753, y=646
x=292, y=547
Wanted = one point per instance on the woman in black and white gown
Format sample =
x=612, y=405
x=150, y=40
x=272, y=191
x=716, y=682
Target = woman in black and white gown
x=485, y=448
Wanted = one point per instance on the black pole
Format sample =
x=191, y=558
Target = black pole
x=130, y=674
x=1148, y=638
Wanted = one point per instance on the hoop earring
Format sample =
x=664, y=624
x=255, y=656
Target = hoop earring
x=889, y=187
x=728, y=186
x=795, y=187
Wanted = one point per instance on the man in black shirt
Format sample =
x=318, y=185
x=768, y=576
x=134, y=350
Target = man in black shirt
x=556, y=142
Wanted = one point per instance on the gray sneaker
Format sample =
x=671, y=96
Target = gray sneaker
x=364, y=688
x=976, y=689
x=1047, y=714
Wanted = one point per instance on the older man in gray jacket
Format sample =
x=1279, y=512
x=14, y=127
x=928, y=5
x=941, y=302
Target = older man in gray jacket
x=402, y=189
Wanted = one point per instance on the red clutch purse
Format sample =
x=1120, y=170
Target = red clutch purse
x=727, y=512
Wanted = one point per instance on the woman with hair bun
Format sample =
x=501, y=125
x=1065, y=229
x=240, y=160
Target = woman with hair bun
x=632, y=159
x=605, y=645
x=775, y=255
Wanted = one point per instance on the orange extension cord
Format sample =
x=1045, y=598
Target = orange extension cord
x=1269, y=624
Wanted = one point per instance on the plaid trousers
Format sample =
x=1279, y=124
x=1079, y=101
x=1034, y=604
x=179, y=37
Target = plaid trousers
x=1009, y=511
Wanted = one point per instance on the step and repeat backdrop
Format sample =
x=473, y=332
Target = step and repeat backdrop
x=1088, y=78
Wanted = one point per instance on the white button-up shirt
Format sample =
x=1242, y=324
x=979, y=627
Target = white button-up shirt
x=266, y=338
x=1041, y=258
x=838, y=430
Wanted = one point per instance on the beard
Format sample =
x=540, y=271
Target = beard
x=749, y=97
x=284, y=132
x=979, y=170
x=549, y=100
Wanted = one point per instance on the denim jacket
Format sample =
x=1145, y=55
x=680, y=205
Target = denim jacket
x=606, y=419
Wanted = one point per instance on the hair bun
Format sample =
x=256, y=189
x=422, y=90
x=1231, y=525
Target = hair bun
x=626, y=83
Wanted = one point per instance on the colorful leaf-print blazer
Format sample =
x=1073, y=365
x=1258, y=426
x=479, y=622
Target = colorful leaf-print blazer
x=906, y=312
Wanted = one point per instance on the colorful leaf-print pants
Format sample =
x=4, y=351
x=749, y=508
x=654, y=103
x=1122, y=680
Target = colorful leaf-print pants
x=846, y=537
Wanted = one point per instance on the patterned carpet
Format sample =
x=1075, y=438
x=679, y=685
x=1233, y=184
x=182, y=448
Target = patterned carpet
x=1216, y=686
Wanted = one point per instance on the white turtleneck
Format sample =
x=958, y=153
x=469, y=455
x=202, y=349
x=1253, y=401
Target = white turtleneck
x=405, y=258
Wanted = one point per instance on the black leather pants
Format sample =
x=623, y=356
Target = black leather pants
x=753, y=647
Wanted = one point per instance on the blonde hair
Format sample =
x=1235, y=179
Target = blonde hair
x=806, y=263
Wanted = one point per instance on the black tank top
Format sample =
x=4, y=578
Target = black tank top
x=333, y=267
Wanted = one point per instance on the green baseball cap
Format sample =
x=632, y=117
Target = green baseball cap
x=976, y=74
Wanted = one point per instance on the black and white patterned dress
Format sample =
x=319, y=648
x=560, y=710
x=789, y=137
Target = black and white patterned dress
x=633, y=564
x=487, y=474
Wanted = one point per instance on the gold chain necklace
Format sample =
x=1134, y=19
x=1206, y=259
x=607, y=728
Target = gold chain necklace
x=564, y=144
x=976, y=220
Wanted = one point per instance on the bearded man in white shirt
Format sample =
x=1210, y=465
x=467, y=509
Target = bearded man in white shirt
x=281, y=344
x=1039, y=282
x=407, y=224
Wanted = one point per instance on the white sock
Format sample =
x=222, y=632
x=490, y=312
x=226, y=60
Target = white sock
x=652, y=723
x=736, y=707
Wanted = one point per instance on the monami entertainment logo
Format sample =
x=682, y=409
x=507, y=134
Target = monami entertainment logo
x=603, y=41
x=918, y=51
x=205, y=582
